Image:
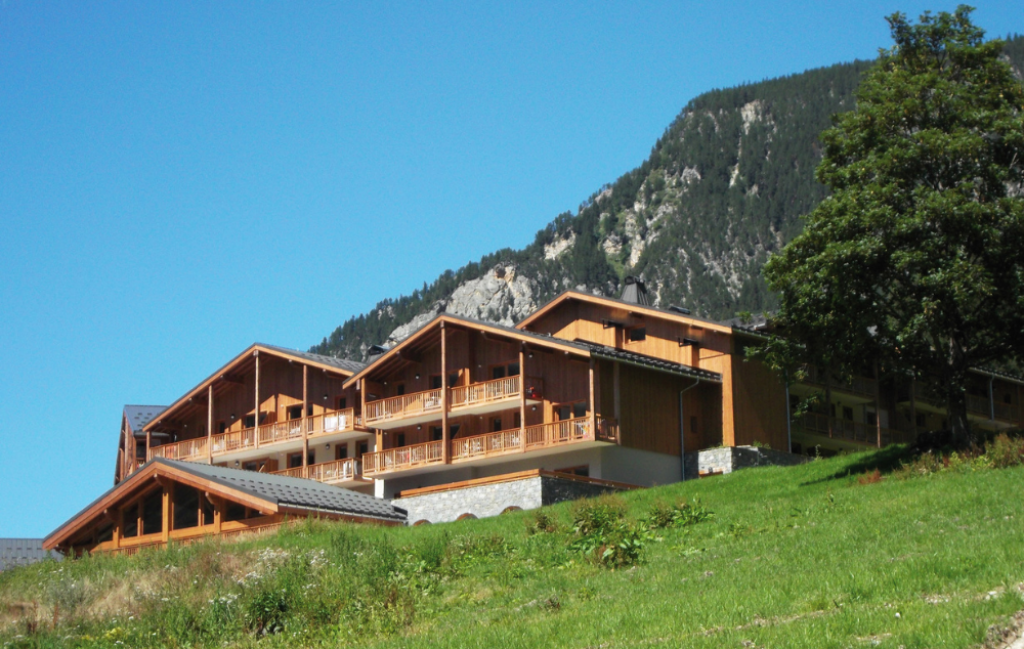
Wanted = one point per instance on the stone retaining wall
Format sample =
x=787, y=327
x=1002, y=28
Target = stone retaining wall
x=492, y=499
x=730, y=458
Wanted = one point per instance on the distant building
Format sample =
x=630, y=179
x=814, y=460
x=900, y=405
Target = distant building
x=21, y=552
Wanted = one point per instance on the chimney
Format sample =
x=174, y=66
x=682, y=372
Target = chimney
x=634, y=292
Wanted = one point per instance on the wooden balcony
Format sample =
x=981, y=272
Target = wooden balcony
x=506, y=442
x=403, y=457
x=334, y=472
x=984, y=408
x=851, y=431
x=267, y=435
x=477, y=398
x=382, y=412
x=859, y=385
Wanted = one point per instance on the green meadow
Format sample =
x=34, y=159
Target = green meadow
x=829, y=554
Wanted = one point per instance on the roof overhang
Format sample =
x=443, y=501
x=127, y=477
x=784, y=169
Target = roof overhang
x=431, y=327
x=640, y=309
x=234, y=363
x=143, y=480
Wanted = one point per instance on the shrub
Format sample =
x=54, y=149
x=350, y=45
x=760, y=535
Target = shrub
x=541, y=522
x=870, y=477
x=265, y=612
x=597, y=515
x=1005, y=451
x=680, y=514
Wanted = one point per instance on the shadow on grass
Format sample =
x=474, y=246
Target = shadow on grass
x=884, y=460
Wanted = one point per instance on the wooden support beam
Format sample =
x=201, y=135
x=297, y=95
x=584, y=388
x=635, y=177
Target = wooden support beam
x=617, y=395
x=166, y=524
x=522, y=398
x=256, y=417
x=149, y=446
x=593, y=403
x=209, y=427
x=304, y=420
x=446, y=442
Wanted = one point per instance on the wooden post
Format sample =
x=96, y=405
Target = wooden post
x=617, y=393
x=256, y=417
x=446, y=442
x=149, y=446
x=593, y=405
x=913, y=406
x=218, y=513
x=304, y=420
x=209, y=425
x=878, y=406
x=166, y=524
x=522, y=397
x=118, y=526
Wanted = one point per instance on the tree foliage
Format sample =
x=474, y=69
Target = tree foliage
x=916, y=259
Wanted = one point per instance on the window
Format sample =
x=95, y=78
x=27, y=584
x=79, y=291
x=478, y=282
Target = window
x=435, y=382
x=513, y=369
x=234, y=512
x=496, y=425
x=208, y=511
x=222, y=426
x=341, y=452
x=453, y=430
x=342, y=403
x=131, y=521
x=399, y=389
x=506, y=369
x=251, y=466
x=517, y=420
x=563, y=412
x=153, y=513
x=186, y=507
x=294, y=460
x=295, y=412
x=363, y=448
x=637, y=334
x=847, y=413
x=250, y=421
x=400, y=439
x=498, y=372
x=579, y=409
x=453, y=379
x=436, y=433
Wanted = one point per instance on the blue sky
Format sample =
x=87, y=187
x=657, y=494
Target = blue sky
x=179, y=180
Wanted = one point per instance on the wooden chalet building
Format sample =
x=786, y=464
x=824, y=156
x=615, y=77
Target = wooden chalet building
x=586, y=394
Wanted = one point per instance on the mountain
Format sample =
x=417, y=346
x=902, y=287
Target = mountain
x=722, y=189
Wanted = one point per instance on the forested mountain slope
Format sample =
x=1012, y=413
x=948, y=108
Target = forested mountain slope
x=723, y=188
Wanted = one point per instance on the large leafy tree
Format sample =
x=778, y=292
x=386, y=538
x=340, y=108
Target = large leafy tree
x=916, y=259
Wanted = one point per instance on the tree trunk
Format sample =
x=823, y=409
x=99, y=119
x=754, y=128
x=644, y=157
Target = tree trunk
x=956, y=395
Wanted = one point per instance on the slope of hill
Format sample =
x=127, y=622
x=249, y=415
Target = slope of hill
x=723, y=188
x=827, y=554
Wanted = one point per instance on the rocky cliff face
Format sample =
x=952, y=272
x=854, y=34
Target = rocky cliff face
x=723, y=188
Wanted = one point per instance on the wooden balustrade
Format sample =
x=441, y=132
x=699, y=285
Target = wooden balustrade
x=281, y=431
x=294, y=472
x=188, y=449
x=403, y=457
x=486, y=392
x=406, y=405
x=861, y=385
x=238, y=440
x=334, y=471
x=558, y=432
x=852, y=431
x=341, y=421
x=506, y=441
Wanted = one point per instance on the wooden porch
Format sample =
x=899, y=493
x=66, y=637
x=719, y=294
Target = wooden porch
x=516, y=440
x=334, y=472
x=267, y=435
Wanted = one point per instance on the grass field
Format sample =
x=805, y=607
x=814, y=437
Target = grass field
x=826, y=554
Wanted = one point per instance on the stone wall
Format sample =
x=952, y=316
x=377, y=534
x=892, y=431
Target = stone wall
x=730, y=458
x=492, y=499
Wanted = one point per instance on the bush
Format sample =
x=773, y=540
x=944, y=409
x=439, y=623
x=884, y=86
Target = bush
x=265, y=612
x=680, y=514
x=1005, y=451
x=597, y=515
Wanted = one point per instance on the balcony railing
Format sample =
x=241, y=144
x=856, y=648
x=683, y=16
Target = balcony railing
x=983, y=406
x=852, y=431
x=515, y=440
x=858, y=385
x=403, y=457
x=400, y=407
x=329, y=472
x=341, y=421
x=488, y=391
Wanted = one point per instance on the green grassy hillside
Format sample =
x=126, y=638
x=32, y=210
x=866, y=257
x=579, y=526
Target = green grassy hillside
x=821, y=555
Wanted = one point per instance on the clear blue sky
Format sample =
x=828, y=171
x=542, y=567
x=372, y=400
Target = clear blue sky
x=179, y=180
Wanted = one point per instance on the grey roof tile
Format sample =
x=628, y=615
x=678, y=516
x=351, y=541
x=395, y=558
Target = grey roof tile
x=652, y=362
x=139, y=416
x=340, y=363
x=293, y=492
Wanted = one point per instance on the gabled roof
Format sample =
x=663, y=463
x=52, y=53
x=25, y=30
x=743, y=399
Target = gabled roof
x=343, y=364
x=430, y=328
x=139, y=416
x=643, y=309
x=340, y=366
x=650, y=362
x=268, y=493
